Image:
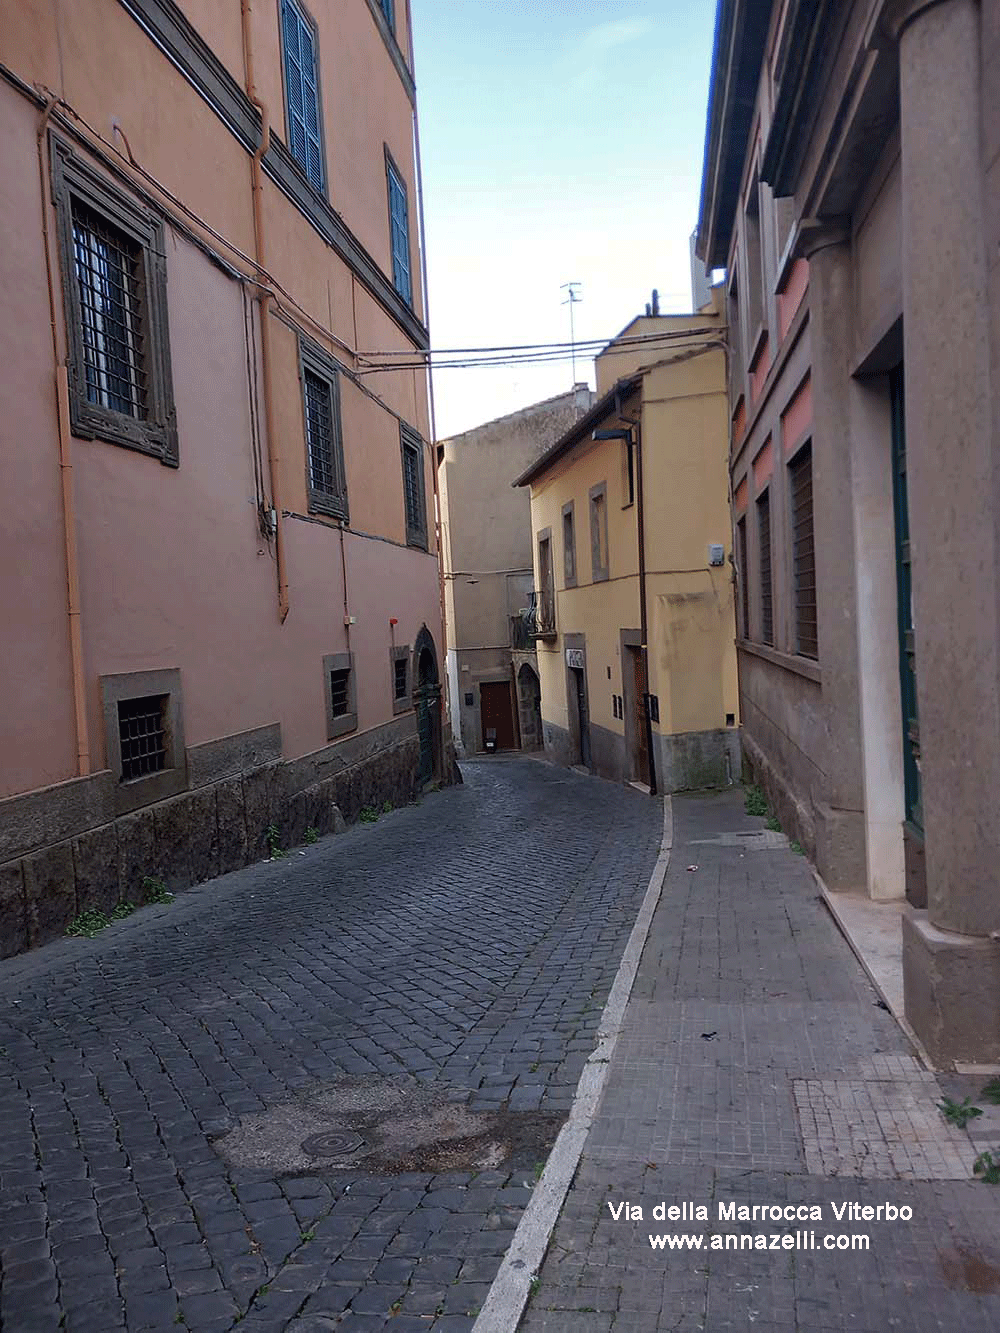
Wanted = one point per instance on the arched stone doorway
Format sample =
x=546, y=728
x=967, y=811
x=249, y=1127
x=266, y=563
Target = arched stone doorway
x=529, y=704
x=427, y=701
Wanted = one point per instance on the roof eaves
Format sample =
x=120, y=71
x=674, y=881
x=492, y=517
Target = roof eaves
x=741, y=30
x=581, y=429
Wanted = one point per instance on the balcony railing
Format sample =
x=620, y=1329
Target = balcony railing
x=521, y=639
x=541, y=615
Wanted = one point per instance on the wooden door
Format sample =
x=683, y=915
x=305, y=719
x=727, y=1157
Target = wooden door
x=640, y=732
x=497, y=711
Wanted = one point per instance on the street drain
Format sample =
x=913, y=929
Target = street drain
x=386, y=1126
x=332, y=1143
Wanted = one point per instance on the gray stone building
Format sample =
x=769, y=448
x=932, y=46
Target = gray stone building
x=486, y=545
x=852, y=193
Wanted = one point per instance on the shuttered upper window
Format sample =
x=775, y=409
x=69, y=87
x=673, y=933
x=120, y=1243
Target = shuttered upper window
x=412, y=447
x=766, y=593
x=399, y=229
x=302, y=92
x=803, y=553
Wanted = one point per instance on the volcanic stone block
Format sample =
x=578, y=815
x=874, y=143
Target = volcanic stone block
x=172, y=821
x=203, y=835
x=95, y=865
x=257, y=805
x=50, y=892
x=136, y=854
x=232, y=827
x=13, y=919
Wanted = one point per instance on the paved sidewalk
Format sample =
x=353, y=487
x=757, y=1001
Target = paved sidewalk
x=467, y=944
x=757, y=1066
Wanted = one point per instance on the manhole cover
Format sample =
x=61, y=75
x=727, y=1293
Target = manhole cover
x=332, y=1143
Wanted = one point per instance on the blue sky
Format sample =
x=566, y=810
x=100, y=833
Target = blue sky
x=561, y=141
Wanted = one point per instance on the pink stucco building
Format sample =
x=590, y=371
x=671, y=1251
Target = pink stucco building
x=219, y=591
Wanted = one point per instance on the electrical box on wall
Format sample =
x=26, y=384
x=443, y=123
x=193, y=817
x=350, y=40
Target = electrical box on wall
x=716, y=553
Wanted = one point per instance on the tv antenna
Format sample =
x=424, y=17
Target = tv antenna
x=571, y=299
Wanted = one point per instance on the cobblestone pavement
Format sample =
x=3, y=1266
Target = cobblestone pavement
x=756, y=1066
x=468, y=941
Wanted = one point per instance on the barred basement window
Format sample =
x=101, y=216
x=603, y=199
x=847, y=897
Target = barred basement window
x=339, y=683
x=341, y=698
x=144, y=736
x=803, y=553
x=142, y=733
x=114, y=281
x=412, y=448
x=325, y=473
x=399, y=673
x=766, y=595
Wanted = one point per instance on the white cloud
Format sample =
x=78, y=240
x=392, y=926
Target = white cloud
x=604, y=37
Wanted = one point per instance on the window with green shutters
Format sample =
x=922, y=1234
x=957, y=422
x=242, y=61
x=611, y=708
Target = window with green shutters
x=302, y=92
x=399, y=228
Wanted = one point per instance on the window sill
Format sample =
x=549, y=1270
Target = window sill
x=91, y=423
x=756, y=347
x=328, y=506
x=340, y=726
x=137, y=792
x=404, y=705
x=798, y=666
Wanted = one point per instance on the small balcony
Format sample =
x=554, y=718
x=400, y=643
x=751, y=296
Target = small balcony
x=540, y=619
x=521, y=638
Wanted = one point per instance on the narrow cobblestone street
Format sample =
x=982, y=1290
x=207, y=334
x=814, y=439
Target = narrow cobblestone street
x=757, y=1066
x=468, y=942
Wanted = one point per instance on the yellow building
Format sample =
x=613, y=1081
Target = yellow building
x=633, y=574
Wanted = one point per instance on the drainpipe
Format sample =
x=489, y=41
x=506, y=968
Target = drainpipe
x=640, y=511
x=257, y=191
x=65, y=464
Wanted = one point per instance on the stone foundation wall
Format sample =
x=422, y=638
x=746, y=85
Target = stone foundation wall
x=795, y=818
x=694, y=760
x=72, y=854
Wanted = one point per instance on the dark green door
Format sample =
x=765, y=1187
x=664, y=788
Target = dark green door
x=904, y=595
x=428, y=703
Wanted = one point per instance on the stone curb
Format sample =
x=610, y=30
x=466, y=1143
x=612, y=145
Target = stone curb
x=830, y=902
x=501, y=1311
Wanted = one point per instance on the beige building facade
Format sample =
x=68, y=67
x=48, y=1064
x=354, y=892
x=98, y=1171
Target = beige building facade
x=493, y=681
x=633, y=615
x=852, y=193
x=220, y=588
